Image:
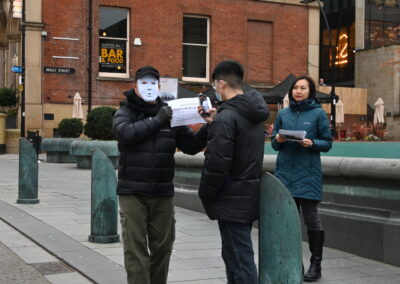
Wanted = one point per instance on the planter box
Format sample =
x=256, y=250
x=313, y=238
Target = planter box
x=57, y=150
x=82, y=150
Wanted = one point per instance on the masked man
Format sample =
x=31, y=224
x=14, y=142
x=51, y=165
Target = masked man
x=147, y=145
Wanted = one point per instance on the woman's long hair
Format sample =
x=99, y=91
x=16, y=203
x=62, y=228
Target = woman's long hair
x=311, y=85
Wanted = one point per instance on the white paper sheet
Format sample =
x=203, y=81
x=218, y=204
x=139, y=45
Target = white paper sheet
x=168, y=89
x=293, y=135
x=185, y=111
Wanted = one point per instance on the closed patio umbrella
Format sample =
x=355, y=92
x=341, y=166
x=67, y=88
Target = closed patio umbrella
x=339, y=112
x=77, y=107
x=379, y=111
x=286, y=102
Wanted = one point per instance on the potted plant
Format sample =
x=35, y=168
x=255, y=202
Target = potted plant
x=99, y=129
x=57, y=149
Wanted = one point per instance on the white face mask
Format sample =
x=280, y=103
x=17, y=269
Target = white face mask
x=148, y=88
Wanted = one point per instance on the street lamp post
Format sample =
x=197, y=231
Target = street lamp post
x=332, y=70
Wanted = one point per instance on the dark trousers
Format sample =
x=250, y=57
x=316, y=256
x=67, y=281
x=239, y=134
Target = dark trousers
x=148, y=232
x=309, y=210
x=237, y=253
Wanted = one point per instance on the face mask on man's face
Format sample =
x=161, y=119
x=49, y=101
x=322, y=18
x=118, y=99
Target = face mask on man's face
x=148, y=88
x=217, y=95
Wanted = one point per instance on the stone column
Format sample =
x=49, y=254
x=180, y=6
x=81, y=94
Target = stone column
x=33, y=65
x=313, y=41
x=360, y=24
x=2, y=64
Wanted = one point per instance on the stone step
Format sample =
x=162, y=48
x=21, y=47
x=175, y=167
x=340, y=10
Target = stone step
x=12, y=145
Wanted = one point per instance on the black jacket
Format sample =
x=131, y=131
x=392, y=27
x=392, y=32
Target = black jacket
x=146, y=163
x=229, y=186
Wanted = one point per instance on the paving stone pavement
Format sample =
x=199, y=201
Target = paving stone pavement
x=64, y=193
x=14, y=270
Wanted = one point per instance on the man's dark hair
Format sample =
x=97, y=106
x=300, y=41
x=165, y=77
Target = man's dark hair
x=230, y=71
x=311, y=85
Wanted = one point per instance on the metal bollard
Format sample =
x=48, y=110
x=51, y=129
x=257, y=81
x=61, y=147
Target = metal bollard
x=28, y=180
x=280, y=249
x=104, y=206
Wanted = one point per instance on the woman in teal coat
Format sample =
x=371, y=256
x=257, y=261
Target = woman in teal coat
x=298, y=165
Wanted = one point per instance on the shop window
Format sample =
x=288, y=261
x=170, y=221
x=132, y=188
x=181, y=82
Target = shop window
x=382, y=23
x=195, y=48
x=113, y=42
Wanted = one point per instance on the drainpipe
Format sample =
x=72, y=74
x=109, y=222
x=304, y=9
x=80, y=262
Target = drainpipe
x=23, y=70
x=90, y=51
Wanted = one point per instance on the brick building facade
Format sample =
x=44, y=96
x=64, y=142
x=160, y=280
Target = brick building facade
x=270, y=38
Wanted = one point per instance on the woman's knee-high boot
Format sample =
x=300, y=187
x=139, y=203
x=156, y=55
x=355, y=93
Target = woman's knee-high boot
x=315, y=242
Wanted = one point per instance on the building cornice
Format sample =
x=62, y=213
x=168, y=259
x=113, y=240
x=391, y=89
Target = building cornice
x=33, y=26
x=13, y=37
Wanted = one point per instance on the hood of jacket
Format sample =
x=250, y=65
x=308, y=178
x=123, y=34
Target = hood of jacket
x=137, y=104
x=250, y=105
x=304, y=105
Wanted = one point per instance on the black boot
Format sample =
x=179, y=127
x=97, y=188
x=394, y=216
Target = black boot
x=315, y=242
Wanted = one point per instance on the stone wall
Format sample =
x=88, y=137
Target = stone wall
x=378, y=70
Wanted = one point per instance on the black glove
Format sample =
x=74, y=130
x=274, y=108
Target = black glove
x=163, y=115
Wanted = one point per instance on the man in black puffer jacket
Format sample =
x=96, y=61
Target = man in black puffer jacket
x=229, y=186
x=147, y=146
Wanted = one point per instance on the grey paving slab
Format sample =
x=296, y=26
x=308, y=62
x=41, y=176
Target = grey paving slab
x=34, y=254
x=67, y=278
x=376, y=280
x=342, y=274
x=197, y=274
x=373, y=270
x=15, y=270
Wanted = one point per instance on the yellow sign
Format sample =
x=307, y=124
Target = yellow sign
x=112, y=55
x=20, y=88
x=341, y=50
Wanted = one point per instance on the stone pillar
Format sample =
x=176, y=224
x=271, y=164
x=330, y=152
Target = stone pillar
x=2, y=65
x=104, y=206
x=360, y=24
x=313, y=41
x=280, y=244
x=28, y=179
x=33, y=66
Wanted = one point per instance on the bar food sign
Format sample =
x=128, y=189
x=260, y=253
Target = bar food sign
x=112, y=56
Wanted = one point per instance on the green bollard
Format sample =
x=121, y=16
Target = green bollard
x=280, y=249
x=28, y=180
x=104, y=207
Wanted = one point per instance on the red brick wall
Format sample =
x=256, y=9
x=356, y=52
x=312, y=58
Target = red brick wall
x=159, y=25
x=62, y=19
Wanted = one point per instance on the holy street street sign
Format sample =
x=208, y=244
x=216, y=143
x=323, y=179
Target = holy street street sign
x=59, y=70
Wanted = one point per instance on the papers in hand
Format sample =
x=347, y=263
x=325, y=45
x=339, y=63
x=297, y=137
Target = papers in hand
x=293, y=135
x=184, y=111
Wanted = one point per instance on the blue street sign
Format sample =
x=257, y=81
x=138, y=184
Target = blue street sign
x=17, y=69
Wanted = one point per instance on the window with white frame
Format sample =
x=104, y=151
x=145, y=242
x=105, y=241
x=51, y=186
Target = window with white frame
x=195, y=48
x=113, y=42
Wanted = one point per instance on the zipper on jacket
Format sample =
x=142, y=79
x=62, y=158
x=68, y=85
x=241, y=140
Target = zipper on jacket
x=292, y=160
